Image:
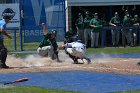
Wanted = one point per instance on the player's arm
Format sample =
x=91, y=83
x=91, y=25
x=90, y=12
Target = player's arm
x=111, y=22
x=92, y=24
x=5, y=33
x=44, y=28
x=67, y=45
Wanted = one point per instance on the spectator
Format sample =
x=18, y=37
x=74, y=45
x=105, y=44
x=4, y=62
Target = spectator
x=115, y=22
x=87, y=29
x=79, y=27
x=96, y=26
x=135, y=22
x=126, y=33
x=3, y=49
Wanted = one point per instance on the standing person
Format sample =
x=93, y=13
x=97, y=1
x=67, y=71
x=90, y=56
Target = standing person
x=3, y=49
x=135, y=22
x=87, y=29
x=127, y=13
x=115, y=21
x=79, y=27
x=126, y=33
x=45, y=48
x=96, y=26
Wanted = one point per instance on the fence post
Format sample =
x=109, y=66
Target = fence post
x=15, y=47
x=102, y=37
x=20, y=28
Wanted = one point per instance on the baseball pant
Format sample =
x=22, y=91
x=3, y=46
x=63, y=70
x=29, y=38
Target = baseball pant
x=80, y=53
x=81, y=35
x=3, y=54
x=94, y=39
x=115, y=37
x=127, y=34
x=87, y=34
x=134, y=36
x=46, y=51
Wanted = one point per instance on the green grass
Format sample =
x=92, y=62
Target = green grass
x=113, y=50
x=33, y=46
x=33, y=90
x=9, y=43
x=136, y=91
x=107, y=50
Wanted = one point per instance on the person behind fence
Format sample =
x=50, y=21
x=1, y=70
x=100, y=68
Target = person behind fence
x=3, y=49
x=79, y=27
x=126, y=32
x=96, y=26
x=127, y=13
x=87, y=29
x=45, y=48
x=136, y=23
x=76, y=50
x=115, y=22
x=70, y=36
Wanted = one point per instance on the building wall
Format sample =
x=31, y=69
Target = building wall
x=9, y=1
x=102, y=2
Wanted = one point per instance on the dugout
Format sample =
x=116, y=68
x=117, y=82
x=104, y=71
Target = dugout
x=105, y=9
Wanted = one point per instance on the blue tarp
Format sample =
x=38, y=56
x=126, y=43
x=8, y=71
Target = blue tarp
x=114, y=56
x=83, y=81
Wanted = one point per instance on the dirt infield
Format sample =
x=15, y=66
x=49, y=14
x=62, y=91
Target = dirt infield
x=34, y=63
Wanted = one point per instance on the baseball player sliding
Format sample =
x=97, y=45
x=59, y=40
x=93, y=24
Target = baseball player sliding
x=48, y=46
x=76, y=50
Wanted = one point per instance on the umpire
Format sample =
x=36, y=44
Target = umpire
x=3, y=50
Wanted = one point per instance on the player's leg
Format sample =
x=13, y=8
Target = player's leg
x=117, y=38
x=42, y=52
x=92, y=39
x=3, y=56
x=97, y=40
x=57, y=57
x=72, y=55
x=88, y=60
x=50, y=51
x=113, y=37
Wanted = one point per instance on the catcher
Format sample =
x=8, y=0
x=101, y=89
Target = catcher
x=76, y=50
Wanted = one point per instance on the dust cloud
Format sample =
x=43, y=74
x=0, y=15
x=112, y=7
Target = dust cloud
x=34, y=60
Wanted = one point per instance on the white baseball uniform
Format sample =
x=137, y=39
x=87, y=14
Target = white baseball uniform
x=76, y=49
x=46, y=51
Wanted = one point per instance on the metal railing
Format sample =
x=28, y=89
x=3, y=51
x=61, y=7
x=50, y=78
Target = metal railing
x=121, y=28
